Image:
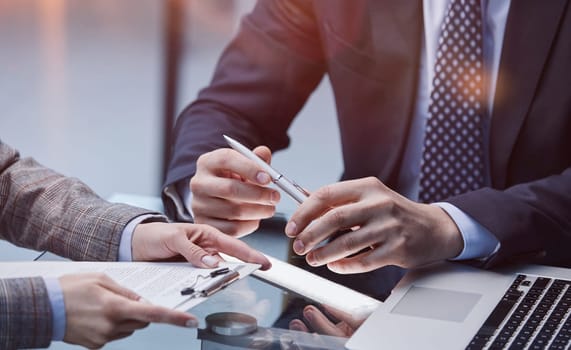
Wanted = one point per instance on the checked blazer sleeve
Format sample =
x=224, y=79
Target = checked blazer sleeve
x=25, y=313
x=43, y=210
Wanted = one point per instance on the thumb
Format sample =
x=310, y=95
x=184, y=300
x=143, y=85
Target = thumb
x=194, y=253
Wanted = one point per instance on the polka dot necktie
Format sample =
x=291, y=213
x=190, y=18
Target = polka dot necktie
x=452, y=159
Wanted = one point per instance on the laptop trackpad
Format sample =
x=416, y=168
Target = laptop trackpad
x=440, y=304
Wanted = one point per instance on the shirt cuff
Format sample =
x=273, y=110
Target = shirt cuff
x=125, y=247
x=479, y=243
x=181, y=197
x=55, y=294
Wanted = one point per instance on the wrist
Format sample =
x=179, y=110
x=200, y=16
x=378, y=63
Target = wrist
x=448, y=232
x=138, y=244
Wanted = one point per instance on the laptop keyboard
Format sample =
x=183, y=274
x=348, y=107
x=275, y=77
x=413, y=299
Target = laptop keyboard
x=533, y=314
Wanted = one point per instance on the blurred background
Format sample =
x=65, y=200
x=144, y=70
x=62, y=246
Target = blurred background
x=83, y=87
x=91, y=87
x=88, y=87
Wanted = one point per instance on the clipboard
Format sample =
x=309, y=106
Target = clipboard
x=159, y=283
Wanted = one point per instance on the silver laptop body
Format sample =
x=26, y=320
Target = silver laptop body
x=454, y=306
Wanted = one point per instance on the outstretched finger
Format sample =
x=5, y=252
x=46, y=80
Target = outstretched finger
x=146, y=312
x=238, y=249
x=108, y=283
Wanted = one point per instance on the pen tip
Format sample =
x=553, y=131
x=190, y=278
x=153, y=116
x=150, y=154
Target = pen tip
x=233, y=143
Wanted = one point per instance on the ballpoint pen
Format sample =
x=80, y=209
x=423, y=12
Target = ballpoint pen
x=291, y=188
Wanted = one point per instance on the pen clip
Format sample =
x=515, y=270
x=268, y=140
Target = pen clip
x=226, y=277
x=190, y=290
x=220, y=284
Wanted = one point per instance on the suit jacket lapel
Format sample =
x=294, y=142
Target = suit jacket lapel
x=530, y=29
x=396, y=29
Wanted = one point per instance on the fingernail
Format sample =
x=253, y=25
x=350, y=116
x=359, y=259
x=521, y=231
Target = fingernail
x=290, y=229
x=143, y=300
x=275, y=198
x=298, y=246
x=209, y=260
x=263, y=178
x=307, y=315
x=191, y=323
x=310, y=259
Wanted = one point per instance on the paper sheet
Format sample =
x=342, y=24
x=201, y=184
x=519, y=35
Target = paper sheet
x=158, y=283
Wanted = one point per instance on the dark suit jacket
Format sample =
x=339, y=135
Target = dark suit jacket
x=43, y=210
x=370, y=51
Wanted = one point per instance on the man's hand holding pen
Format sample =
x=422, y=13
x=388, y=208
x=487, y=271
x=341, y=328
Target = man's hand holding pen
x=381, y=227
x=388, y=229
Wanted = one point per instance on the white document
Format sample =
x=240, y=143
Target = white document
x=158, y=283
x=316, y=288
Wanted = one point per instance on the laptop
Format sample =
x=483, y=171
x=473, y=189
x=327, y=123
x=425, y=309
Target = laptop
x=455, y=306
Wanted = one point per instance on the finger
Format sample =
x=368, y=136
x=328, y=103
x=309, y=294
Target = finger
x=202, y=243
x=229, y=159
x=264, y=152
x=234, y=189
x=298, y=325
x=320, y=323
x=157, y=314
x=192, y=252
x=232, y=209
x=320, y=202
x=109, y=284
x=345, y=245
x=364, y=262
x=352, y=322
x=238, y=249
x=336, y=220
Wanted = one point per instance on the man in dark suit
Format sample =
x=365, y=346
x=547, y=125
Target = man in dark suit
x=404, y=75
x=43, y=210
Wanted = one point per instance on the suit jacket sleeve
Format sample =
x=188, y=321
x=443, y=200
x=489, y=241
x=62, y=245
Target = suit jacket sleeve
x=531, y=220
x=43, y=210
x=262, y=80
x=25, y=314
